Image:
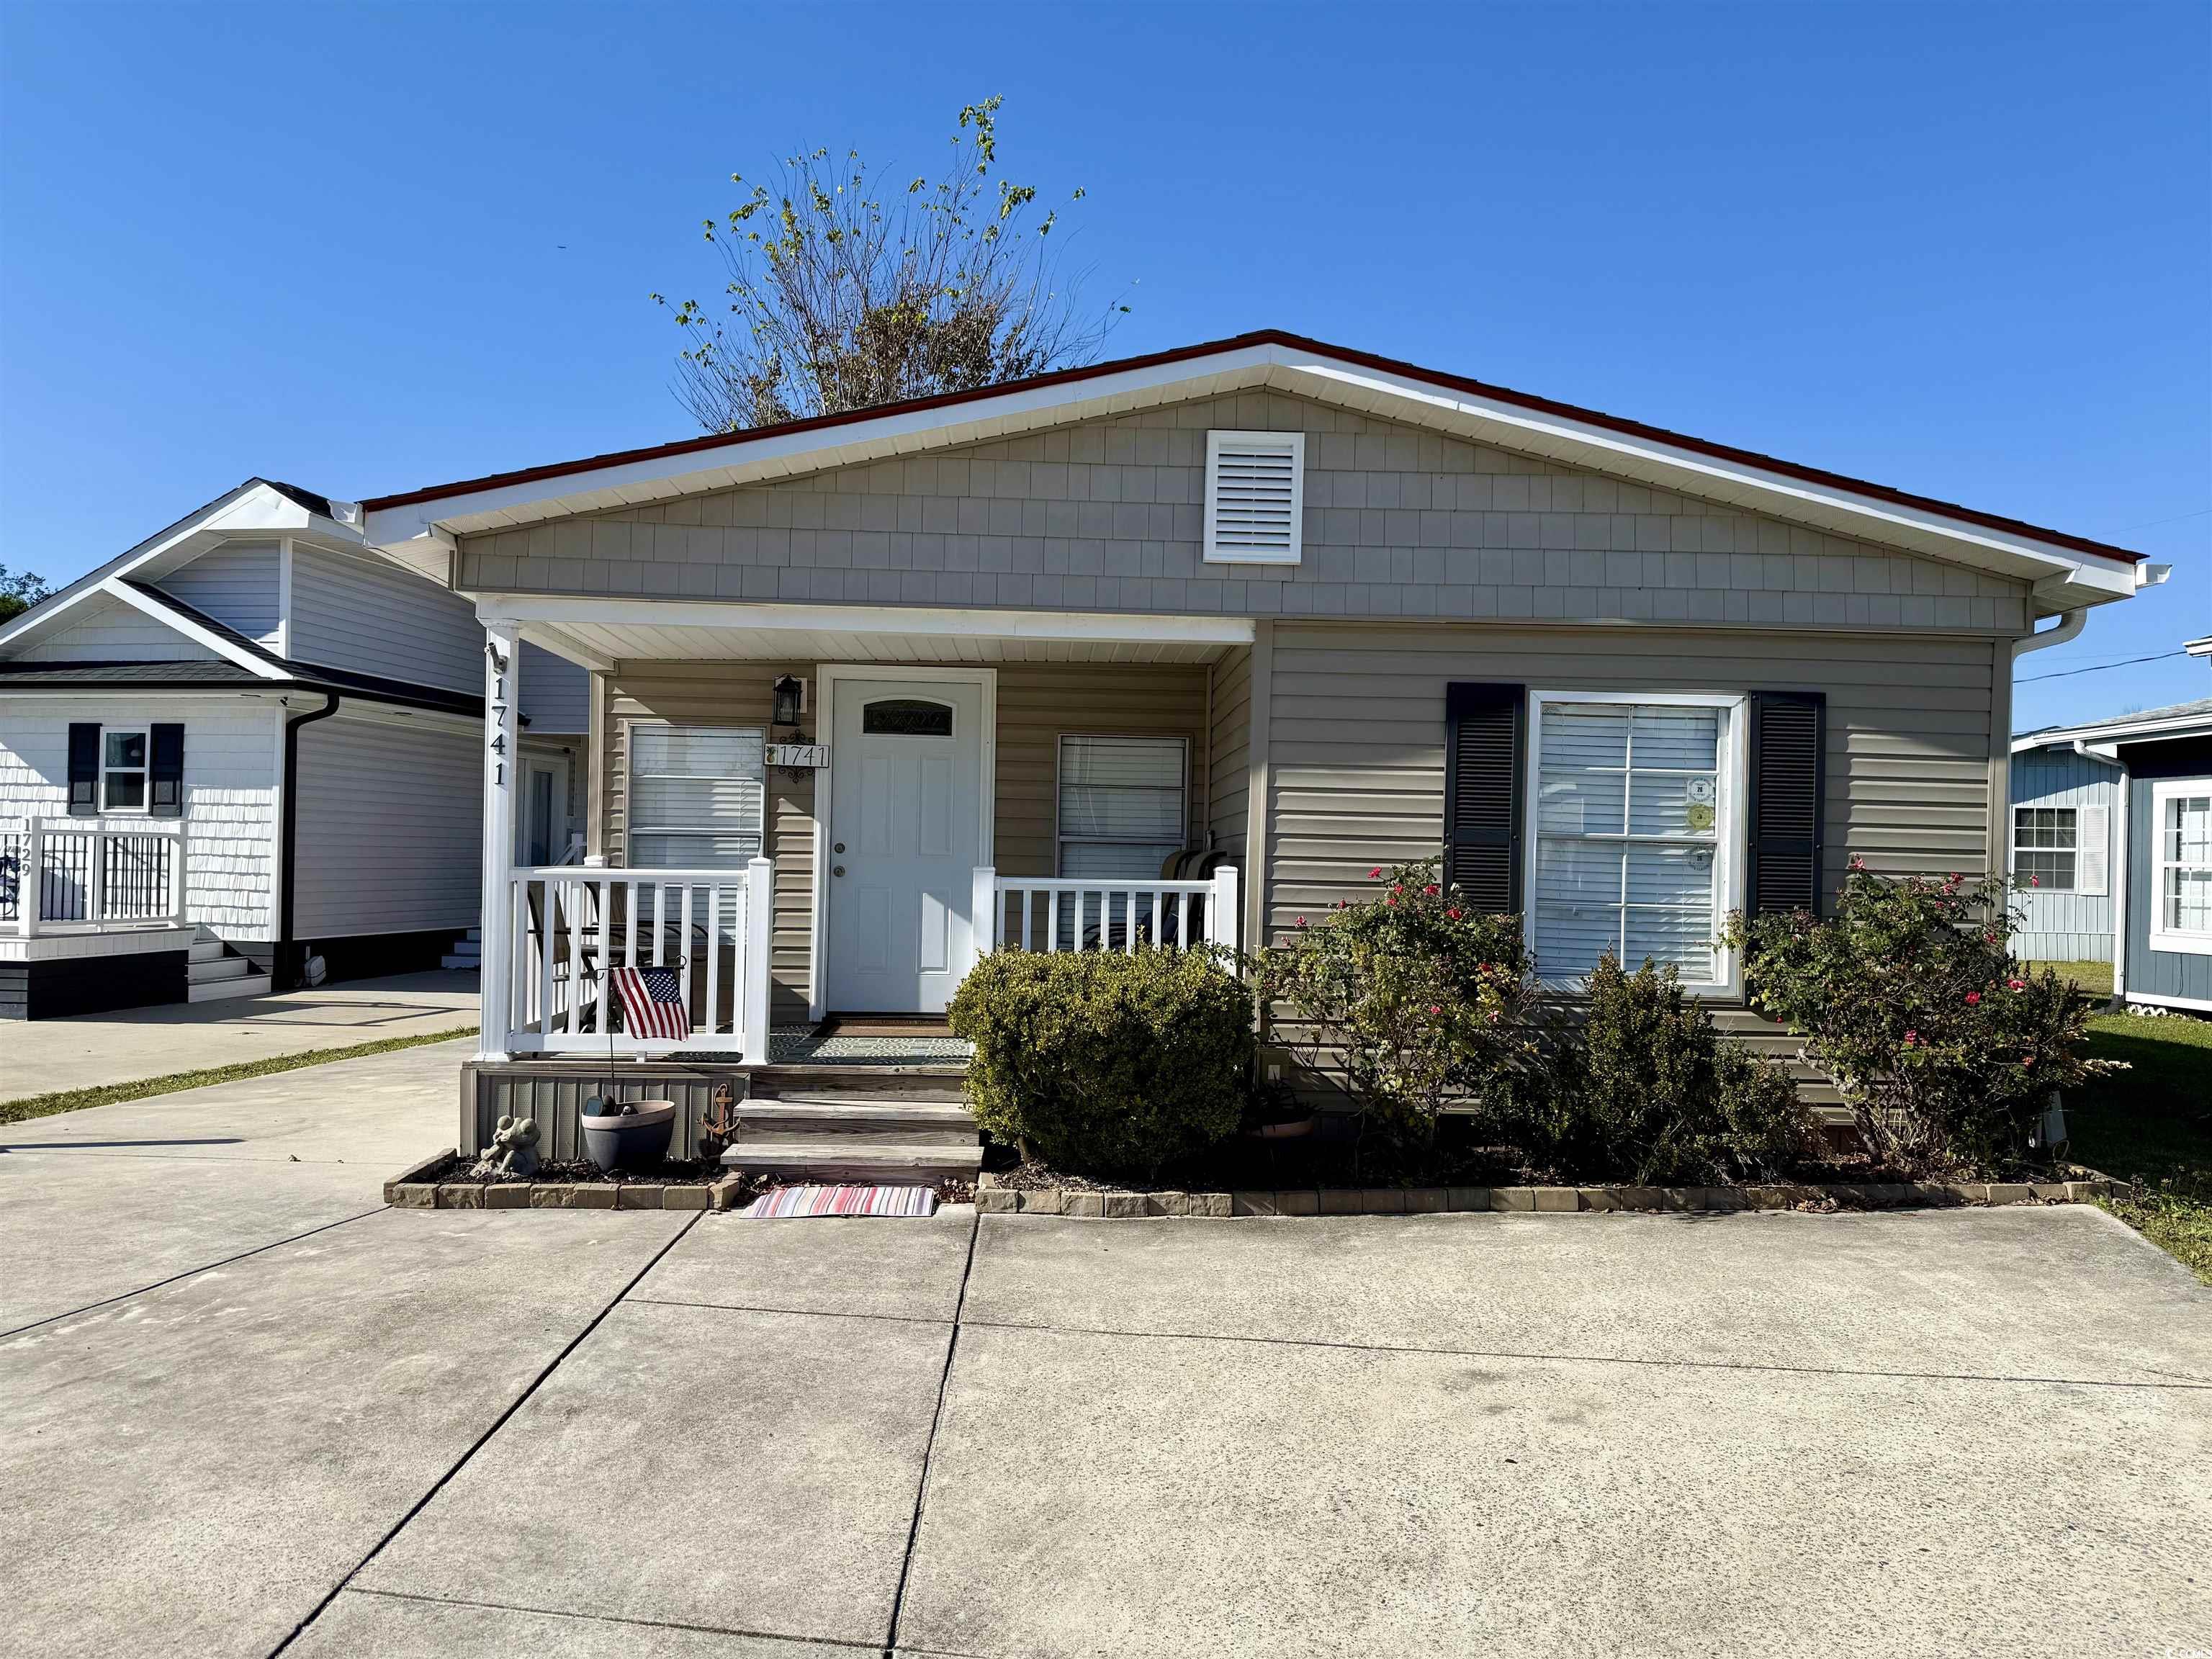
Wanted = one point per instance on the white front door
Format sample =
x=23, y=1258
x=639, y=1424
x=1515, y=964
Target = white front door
x=905, y=836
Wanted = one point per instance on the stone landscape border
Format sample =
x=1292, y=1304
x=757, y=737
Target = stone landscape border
x=993, y=1199
x=411, y=1190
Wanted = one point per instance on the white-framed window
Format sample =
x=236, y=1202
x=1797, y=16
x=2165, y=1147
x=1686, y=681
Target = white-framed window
x=124, y=754
x=2181, y=866
x=2043, y=847
x=697, y=795
x=1637, y=832
x=1122, y=808
x=1255, y=497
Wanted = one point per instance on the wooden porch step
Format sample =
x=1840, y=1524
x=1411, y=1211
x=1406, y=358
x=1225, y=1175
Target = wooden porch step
x=842, y=1158
x=927, y=1082
x=894, y=1114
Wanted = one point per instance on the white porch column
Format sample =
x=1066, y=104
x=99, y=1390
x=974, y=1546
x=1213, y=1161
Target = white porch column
x=1221, y=908
x=760, y=935
x=31, y=878
x=983, y=915
x=502, y=726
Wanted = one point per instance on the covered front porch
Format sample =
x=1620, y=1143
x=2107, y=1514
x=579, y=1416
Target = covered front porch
x=795, y=813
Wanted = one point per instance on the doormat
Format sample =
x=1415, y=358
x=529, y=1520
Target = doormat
x=841, y=1200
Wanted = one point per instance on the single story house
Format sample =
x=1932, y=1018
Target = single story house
x=1185, y=644
x=2112, y=849
x=247, y=742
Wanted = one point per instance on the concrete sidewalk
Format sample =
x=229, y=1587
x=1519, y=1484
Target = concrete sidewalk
x=88, y=1050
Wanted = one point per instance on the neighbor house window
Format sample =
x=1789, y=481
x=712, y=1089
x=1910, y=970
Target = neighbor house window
x=696, y=795
x=1636, y=815
x=123, y=769
x=1255, y=497
x=2043, y=847
x=2181, y=857
x=1121, y=811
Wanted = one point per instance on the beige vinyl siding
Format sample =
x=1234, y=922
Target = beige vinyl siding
x=1108, y=515
x=725, y=694
x=1037, y=702
x=1229, y=752
x=1358, y=737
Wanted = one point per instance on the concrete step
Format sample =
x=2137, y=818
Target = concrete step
x=254, y=985
x=457, y=964
x=922, y=1119
x=204, y=949
x=213, y=971
x=845, y=1158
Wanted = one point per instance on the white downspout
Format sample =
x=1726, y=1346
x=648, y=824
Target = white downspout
x=2069, y=628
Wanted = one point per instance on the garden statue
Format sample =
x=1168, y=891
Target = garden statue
x=513, y=1152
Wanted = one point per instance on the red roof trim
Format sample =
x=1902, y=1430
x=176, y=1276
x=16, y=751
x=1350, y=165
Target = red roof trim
x=1272, y=336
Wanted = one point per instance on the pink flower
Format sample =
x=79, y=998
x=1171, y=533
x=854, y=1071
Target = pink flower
x=1972, y=997
x=1390, y=899
x=1911, y=1037
x=2026, y=1061
x=2017, y=984
x=1302, y=921
x=1375, y=874
x=1435, y=1009
x=1431, y=890
x=2035, y=881
x=1397, y=887
x=1453, y=915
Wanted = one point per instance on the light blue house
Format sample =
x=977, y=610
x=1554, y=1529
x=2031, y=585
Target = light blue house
x=2112, y=849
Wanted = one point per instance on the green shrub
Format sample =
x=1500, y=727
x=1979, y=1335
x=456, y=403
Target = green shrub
x=1948, y=1049
x=1103, y=1061
x=1650, y=1091
x=1421, y=998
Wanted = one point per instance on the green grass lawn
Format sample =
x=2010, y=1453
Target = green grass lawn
x=2095, y=976
x=2152, y=1124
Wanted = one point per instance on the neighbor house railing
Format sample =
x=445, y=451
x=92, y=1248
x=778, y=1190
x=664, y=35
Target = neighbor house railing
x=571, y=925
x=75, y=877
x=1035, y=913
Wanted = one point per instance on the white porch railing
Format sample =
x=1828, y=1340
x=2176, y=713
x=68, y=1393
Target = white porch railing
x=1059, y=913
x=76, y=877
x=568, y=925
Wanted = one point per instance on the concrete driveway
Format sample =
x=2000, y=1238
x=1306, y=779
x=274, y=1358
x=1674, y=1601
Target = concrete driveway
x=587, y=1433
x=88, y=1050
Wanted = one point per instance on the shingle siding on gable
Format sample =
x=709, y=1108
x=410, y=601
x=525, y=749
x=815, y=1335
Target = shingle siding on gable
x=1109, y=516
x=237, y=585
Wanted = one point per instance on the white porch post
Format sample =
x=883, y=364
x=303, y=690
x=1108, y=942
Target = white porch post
x=760, y=931
x=503, y=687
x=31, y=878
x=1221, y=908
x=983, y=918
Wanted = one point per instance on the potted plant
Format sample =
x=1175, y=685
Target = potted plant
x=626, y=1134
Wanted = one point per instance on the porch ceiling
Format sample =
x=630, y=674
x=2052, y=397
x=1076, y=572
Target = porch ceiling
x=635, y=642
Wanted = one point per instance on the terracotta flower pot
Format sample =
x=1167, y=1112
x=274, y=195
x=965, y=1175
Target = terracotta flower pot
x=629, y=1134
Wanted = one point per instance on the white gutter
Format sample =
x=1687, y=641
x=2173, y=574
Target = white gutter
x=2069, y=628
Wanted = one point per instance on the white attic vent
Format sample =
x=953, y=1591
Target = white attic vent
x=1255, y=492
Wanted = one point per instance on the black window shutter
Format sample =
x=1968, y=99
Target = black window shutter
x=84, y=769
x=1788, y=767
x=165, y=782
x=1486, y=743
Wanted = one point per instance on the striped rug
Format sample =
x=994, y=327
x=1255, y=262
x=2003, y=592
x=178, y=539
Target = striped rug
x=841, y=1200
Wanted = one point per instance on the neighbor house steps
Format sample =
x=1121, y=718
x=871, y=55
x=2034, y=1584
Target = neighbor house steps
x=467, y=952
x=888, y=1124
x=212, y=974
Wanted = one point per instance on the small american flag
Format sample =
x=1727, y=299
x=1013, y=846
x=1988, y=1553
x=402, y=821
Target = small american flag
x=652, y=1002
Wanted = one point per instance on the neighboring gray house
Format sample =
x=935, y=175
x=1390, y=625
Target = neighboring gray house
x=249, y=740
x=1187, y=644
x=2114, y=817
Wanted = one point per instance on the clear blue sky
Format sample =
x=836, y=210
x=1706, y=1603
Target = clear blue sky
x=1961, y=248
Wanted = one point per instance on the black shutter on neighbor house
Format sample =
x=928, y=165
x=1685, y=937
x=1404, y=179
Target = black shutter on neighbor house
x=1486, y=742
x=164, y=777
x=1789, y=740
x=84, y=769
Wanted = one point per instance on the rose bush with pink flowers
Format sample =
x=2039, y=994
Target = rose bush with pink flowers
x=1948, y=1050
x=1420, y=999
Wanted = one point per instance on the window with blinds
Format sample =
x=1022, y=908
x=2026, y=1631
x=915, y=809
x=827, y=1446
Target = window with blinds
x=1122, y=806
x=697, y=795
x=1632, y=814
x=1255, y=496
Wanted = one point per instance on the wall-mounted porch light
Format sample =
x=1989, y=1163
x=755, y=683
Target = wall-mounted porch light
x=790, y=693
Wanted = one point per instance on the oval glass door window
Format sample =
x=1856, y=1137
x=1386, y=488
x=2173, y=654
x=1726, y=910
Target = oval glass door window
x=906, y=717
